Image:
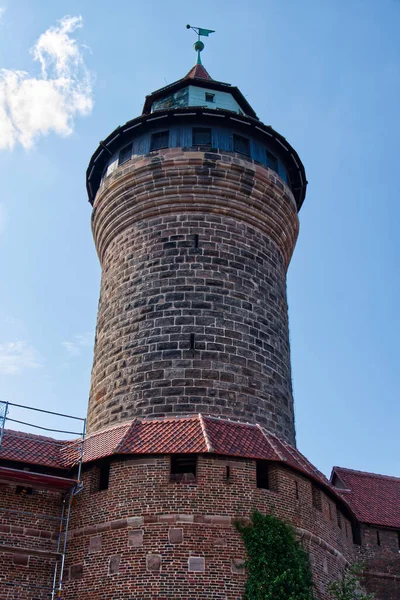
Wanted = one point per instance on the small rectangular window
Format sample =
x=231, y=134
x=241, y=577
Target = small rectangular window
x=104, y=476
x=201, y=136
x=21, y=490
x=210, y=97
x=241, y=144
x=262, y=474
x=159, y=140
x=125, y=154
x=378, y=538
x=272, y=161
x=183, y=468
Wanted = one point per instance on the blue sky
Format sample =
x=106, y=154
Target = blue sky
x=324, y=74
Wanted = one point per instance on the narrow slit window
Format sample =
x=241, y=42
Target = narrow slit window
x=210, y=97
x=201, y=136
x=104, y=477
x=241, y=145
x=398, y=539
x=159, y=140
x=183, y=468
x=125, y=154
x=272, y=161
x=297, y=489
x=378, y=538
x=228, y=474
x=262, y=475
x=356, y=530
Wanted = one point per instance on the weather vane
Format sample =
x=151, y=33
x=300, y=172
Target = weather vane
x=199, y=46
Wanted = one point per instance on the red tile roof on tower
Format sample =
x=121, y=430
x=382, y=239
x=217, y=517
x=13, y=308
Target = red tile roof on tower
x=197, y=434
x=375, y=499
x=198, y=72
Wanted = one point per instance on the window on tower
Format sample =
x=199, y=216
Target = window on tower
x=210, y=97
x=262, y=474
x=183, y=468
x=125, y=154
x=159, y=140
x=272, y=161
x=201, y=136
x=241, y=144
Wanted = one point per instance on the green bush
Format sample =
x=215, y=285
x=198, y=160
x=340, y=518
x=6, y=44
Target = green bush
x=277, y=564
x=348, y=587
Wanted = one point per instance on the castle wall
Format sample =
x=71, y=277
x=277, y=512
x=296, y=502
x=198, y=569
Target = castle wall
x=192, y=315
x=380, y=555
x=146, y=537
x=28, y=521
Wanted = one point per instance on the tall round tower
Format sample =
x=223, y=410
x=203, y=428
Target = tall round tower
x=190, y=416
x=194, y=219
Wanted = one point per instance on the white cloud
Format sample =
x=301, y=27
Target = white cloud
x=79, y=342
x=32, y=106
x=16, y=357
x=2, y=11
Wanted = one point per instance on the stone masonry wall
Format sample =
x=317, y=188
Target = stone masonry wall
x=150, y=539
x=192, y=314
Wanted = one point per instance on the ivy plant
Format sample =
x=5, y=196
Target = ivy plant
x=348, y=587
x=277, y=564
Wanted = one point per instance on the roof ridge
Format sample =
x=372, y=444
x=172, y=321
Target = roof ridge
x=205, y=434
x=367, y=474
x=266, y=436
x=131, y=427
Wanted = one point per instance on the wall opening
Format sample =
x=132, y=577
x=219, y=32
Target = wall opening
x=262, y=474
x=159, y=140
x=201, y=136
x=339, y=518
x=22, y=490
x=104, y=476
x=125, y=154
x=356, y=530
x=241, y=145
x=378, y=538
x=183, y=468
x=296, y=489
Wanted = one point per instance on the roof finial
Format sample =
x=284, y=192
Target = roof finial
x=199, y=46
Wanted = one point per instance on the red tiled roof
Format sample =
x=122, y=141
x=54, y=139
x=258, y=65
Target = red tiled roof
x=168, y=435
x=29, y=448
x=374, y=499
x=198, y=72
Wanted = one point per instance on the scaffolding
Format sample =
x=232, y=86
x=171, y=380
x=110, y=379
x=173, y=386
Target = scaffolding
x=69, y=487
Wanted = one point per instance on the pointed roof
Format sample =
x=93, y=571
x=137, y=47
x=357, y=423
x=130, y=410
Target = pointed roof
x=198, y=72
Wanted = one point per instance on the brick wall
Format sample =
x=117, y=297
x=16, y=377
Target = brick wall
x=28, y=521
x=145, y=537
x=380, y=553
x=192, y=315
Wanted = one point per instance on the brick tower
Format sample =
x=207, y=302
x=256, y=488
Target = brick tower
x=195, y=220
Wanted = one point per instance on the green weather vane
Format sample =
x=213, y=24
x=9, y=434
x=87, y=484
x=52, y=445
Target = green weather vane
x=199, y=46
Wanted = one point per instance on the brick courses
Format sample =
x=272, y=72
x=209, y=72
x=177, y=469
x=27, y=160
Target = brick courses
x=192, y=315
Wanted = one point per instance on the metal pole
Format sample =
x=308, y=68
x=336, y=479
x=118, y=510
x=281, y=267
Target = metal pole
x=71, y=496
x=53, y=591
x=82, y=451
x=3, y=423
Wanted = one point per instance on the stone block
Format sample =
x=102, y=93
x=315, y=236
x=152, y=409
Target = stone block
x=135, y=538
x=175, y=535
x=153, y=562
x=196, y=564
x=95, y=543
x=113, y=565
